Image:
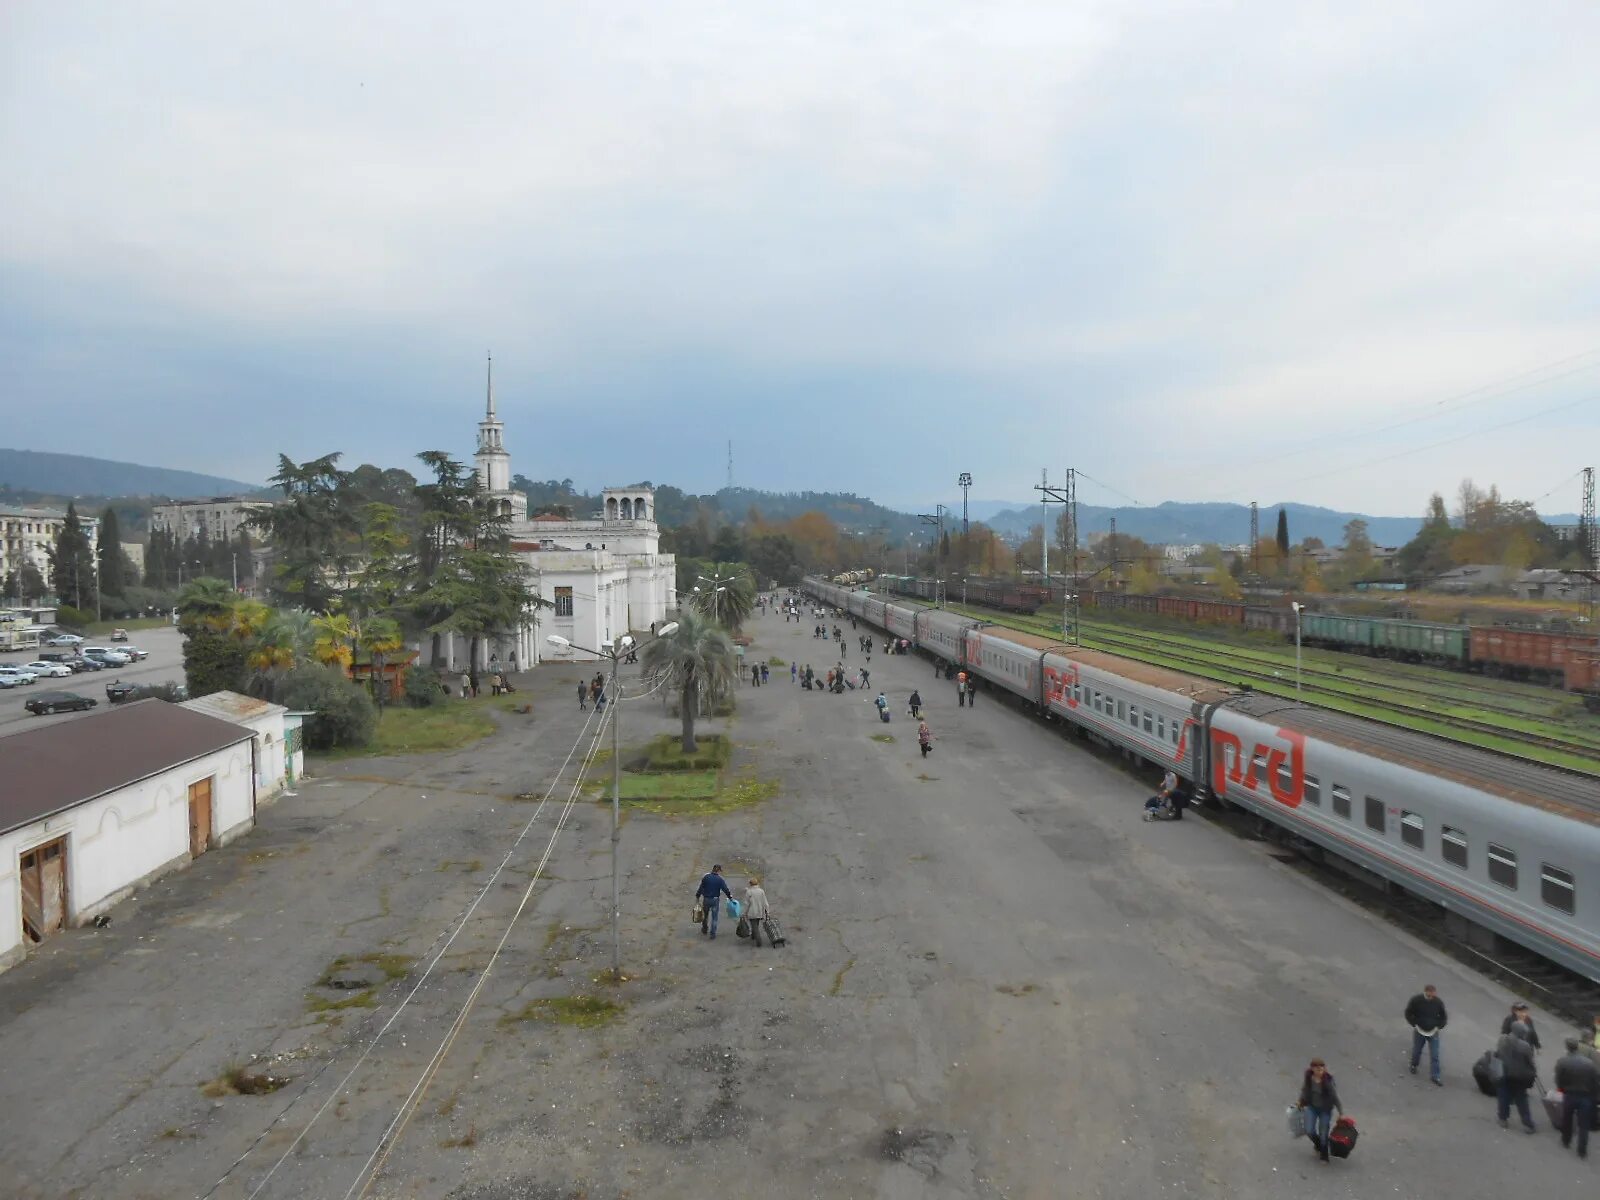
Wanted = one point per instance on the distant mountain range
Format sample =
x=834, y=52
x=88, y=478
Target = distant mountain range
x=1228, y=524
x=78, y=475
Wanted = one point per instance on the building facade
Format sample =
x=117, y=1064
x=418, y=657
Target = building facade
x=601, y=576
x=220, y=518
x=27, y=535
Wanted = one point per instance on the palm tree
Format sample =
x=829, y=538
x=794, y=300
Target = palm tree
x=335, y=636
x=206, y=603
x=382, y=637
x=698, y=652
x=284, y=639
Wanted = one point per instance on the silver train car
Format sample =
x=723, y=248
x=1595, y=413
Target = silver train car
x=1508, y=849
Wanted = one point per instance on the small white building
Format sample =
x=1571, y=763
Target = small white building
x=279, y=754
x=94, y=807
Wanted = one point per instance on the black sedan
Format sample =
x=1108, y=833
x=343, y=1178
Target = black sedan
x=54, y=702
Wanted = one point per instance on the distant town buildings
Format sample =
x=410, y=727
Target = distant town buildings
x=221, y=518
x=27, y=535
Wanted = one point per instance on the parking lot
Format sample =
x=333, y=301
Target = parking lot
x=164, y=665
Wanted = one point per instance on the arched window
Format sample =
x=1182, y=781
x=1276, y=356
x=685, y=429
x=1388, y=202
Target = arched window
x=627, y=509
x=611, y=508
x=640, y=512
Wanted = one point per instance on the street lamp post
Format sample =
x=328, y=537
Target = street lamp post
x=616, y=651
x=1298, y=609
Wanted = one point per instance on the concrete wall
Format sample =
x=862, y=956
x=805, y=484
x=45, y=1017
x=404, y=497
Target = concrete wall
x=126, y=838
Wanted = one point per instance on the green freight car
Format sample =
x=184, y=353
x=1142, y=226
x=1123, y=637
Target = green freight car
x=1339, y=632
x=1420, y=641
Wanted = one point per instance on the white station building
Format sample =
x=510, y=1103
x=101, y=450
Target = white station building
x=602, y=575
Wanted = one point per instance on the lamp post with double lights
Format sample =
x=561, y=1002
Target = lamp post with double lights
x=718, y=587
x=615, y=651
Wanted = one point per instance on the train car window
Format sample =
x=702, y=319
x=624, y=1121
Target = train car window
x=1176, y=731
x=1149, y=724
x=1341, y=801
x=1503, y=866
x=1122, y=706
x=1161, y=728
x=1411, y=829
x=1375, y=817
x=1556, y=888
x=1133, y=715
x=1313, y=791
x=1453, y=844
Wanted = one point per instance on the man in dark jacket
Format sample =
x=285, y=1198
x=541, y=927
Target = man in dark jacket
x=713, y=887
x=1516, y=1055
x=1426, y=1016
x=1519, y=1013
x=1579, y=1081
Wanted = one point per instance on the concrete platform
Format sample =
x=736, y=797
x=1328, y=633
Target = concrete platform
x=998, y=982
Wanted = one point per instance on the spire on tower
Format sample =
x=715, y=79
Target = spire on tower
x=491, y=387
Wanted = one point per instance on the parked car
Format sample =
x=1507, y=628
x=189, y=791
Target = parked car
x=119, y=635
x=7, y=682
x=49, y=670
x=59, y=656
x=133, y=652
x=64, y=639
x=54, y=702
x=20, y=674
x=119, y=692
x=106, y=654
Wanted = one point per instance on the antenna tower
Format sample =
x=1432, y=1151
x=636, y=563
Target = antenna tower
x=1591, y=531
x=965, y=480
x=1255, y=538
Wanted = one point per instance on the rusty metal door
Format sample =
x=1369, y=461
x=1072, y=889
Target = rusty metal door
x=44, y=890
x=199, y=817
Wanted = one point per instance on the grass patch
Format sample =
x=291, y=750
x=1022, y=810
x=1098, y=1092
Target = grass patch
x=242, y=1081
x=101, y=628
x=729, y=794
x=925, y=778
x=775, y=661
x=448, y=726
x=585, y=1012
x=468, y=865
x=326, y=1004
x=885, y=738
x=665, y=753
x=393, y=966
x=469, y=1138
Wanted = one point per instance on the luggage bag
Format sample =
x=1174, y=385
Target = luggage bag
x=773, y=930
x=1554, y=1102
x=1481, y=1075
x=1342, y=1138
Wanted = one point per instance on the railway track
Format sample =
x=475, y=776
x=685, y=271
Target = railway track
x=1576, y=756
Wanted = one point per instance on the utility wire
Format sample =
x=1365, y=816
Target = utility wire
x=1085, y=475
x=460, y=924
x=391, y=1136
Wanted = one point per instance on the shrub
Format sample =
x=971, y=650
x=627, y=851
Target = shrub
x=213, y=662
x=665, y=753
x=423, y=688
x=345, y=716
x=72, y=618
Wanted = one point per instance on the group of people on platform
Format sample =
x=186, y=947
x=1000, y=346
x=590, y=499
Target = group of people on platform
x=1507, y=1072
x=754, y=909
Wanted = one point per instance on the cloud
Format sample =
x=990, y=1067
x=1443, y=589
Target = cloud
x=875, y=244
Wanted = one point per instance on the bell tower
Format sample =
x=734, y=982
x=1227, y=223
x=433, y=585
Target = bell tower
x=494, y=462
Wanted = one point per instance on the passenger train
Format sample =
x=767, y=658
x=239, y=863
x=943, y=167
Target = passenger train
x=1507, y=848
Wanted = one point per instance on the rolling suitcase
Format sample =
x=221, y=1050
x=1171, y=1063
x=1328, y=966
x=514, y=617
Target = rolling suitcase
x=1342, y=1138
x=1554, y=1102
x=773, y=930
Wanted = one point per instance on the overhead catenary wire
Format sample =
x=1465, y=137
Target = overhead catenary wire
x=453, y=932
x=396, y=1128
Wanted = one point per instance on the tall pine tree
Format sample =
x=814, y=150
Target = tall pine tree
x=72, y=564
x=109, y=551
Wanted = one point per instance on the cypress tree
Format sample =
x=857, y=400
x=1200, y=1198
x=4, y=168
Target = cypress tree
x=110, y=554
x=1283, y=533
x=72, y=564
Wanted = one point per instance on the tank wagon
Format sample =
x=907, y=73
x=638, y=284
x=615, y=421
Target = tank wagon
x=1508, y=849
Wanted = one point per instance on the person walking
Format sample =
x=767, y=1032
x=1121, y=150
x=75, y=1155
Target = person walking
x=756, y=909
x=583, y=696
x=794, y=672
x=466, y=686
x=766, y=674
x=1319, y=1096
x=1519, y=1015
x=1578, y=1079
x=1426, y=1015
x=924, y=738
x=882, y=703
x=915, y=704
x=961, y=689
x=1515, y=1052
x=713, y=887
x=472, y=678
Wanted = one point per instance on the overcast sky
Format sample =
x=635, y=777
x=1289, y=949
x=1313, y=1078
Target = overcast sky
x=1199, y=251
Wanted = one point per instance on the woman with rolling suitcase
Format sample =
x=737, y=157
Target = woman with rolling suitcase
x=756, y=909
x=1319, y=1096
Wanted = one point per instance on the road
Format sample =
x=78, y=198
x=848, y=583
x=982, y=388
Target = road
x=998, y=982
x=165, y=664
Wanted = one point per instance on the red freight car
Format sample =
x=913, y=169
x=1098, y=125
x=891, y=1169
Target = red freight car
x=1529, y=653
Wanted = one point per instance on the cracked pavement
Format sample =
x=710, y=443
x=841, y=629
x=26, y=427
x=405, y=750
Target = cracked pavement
x=998, y=982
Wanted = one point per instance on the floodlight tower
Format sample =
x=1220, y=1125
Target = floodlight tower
x=965, y=480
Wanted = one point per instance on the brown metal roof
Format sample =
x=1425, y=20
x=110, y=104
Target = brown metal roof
x=47, y=770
